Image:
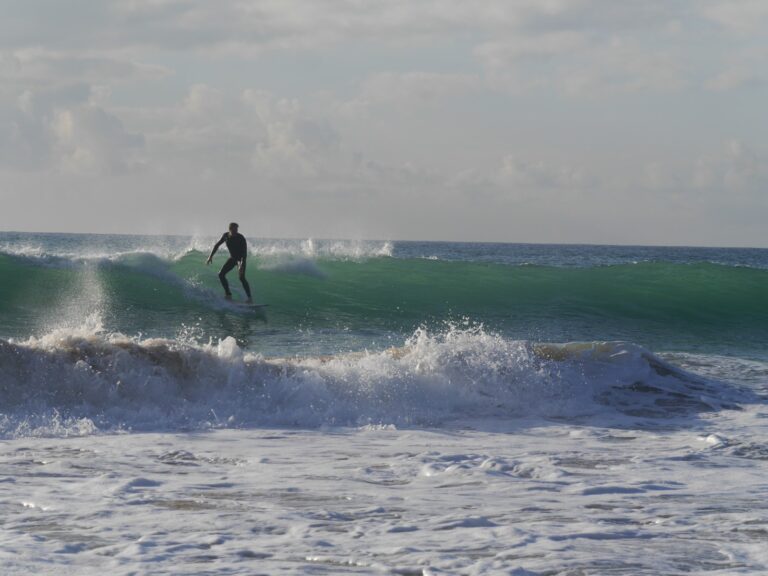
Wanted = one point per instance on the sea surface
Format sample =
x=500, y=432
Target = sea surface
x=397, y=408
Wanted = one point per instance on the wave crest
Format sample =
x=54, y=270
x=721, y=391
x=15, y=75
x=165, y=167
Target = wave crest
x=76, y=383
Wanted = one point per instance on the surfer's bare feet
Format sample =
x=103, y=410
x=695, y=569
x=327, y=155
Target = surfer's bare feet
x=228, y=296
x=249, y=301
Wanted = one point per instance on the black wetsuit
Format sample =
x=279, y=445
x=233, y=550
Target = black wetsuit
x=238, y=249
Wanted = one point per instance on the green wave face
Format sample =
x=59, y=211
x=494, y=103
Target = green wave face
x=704, y=307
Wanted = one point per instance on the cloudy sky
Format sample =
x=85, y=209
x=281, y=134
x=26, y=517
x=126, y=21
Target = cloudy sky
x=598, y=121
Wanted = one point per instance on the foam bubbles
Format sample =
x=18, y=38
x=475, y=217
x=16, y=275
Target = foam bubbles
x=116, y=382
x=321, y=249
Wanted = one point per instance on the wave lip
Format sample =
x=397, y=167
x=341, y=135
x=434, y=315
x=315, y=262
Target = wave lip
x=75, y=383
x=173, y=248
x=323, y=249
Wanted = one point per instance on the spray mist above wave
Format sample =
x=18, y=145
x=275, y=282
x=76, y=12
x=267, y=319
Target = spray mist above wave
x=322, y=249
x=73, y=382
x=95, y=246
x=90, y=249
x=63, y=250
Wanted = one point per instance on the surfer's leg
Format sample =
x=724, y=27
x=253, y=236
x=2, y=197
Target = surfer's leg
x=241, y=275
x=228, y=265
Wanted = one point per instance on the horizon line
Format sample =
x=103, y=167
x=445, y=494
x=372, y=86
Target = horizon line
x=328, y=238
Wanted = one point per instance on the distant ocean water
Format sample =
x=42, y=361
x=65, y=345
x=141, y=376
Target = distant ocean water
x=528, y=406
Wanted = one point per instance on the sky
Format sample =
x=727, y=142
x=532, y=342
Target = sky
x=558, y=121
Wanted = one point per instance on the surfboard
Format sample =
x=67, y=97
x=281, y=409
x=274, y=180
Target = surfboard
x=233, y=304
x=247, y=305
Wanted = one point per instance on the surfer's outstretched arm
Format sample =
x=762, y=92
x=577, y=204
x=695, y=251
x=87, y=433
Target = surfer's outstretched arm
x=216, y=247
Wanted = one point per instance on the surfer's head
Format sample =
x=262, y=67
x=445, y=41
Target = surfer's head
x=233, y=227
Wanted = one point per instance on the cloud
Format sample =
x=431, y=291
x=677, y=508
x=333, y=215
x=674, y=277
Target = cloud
x=24, y=139
x=252, y=27
x=211, y=132
x=740, y=69
x=227, y=26
x=732, y=171
x=577, y=62
x=62, y=130
x=739, y=16
x=540, y=175
x=525, y=179
x=88, y=140
x=577, y=47
x=351, y=110
x=415, y=87
x=37, y=67
x=737, y=169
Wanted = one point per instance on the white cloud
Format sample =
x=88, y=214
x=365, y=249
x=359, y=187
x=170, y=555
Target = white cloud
x=735, y=170
x=88, y=140
x=576, y=46
x=253, y=132
x=541, y=175
x=416, y=87
x=62, y=130
x=230, y=26
x=742, y=68
x=244, y=27
x=741, y=16
x=577, y=62
x=351, y=110
x=41, y=67
x=526, y=179
x=539, y=46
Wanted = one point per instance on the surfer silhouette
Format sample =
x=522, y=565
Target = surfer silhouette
x=238, y=249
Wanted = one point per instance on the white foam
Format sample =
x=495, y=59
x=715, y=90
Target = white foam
x=550, y=497
x=154, y=255
x=61, y=256
x=328, y=249
x=117, y=382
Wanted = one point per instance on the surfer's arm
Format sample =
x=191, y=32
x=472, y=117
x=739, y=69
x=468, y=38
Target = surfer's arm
x=216, y=247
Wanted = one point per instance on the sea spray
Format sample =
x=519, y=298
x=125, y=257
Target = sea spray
x=117, y=382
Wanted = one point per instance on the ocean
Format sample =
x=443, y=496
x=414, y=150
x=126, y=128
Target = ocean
x=397, y=408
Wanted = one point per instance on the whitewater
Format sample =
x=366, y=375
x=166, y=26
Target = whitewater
x=399, y=408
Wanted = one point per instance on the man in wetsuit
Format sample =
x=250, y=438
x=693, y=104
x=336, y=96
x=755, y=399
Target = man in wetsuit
x=238, y=248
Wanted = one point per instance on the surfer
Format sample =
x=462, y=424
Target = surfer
x=238, y=248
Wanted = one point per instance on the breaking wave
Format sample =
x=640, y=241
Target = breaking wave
x=76, y=382
x=661, y=305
